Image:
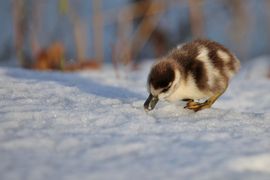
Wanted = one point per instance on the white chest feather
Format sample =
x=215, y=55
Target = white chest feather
x=187, y=90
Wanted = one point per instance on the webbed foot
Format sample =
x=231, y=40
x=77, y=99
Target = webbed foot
x=196, y=106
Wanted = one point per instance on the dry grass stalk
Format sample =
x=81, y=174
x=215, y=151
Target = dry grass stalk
x=143, y=34
x=112, y=15
x=196, y=17
x=150, y=12
x=79, y=30
x=35, y=26
x=240, y=21
x=19, y=21
x=98, y=30
x=80, y=35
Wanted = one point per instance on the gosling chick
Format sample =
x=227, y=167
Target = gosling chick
x=200, y=69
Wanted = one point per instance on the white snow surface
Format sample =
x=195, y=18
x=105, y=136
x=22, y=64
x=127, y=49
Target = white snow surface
x=92, y=125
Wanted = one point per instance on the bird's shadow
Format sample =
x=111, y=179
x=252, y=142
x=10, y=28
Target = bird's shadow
x=74, y=80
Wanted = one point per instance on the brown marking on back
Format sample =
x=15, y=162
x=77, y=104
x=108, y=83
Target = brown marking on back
x=198, y=72
x=216, y=60
x=214, y=46
x=186, y=58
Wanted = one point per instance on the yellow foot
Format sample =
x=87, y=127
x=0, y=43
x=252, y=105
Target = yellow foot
x=195, y=106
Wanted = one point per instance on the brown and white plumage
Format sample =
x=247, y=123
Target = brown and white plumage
x=200, y=69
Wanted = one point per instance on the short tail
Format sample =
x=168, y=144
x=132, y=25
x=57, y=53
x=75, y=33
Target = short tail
x=237, y=64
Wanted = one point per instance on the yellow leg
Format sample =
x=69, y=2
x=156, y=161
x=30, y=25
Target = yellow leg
x=207, y=104
x=192, y=105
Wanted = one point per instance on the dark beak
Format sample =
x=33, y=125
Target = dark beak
x=150, y=103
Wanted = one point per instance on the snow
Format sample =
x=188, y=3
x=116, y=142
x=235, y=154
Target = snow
x=91, y=125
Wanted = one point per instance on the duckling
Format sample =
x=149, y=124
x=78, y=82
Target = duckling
x=200, y=69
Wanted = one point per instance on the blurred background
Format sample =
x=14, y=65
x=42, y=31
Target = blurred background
x=70, y=35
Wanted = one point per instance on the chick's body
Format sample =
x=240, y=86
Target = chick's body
x=195, y=70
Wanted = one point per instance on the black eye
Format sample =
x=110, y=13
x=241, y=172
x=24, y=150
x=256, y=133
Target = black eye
x=166, y=89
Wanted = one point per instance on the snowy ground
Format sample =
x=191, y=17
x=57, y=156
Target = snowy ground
x=90, y=125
